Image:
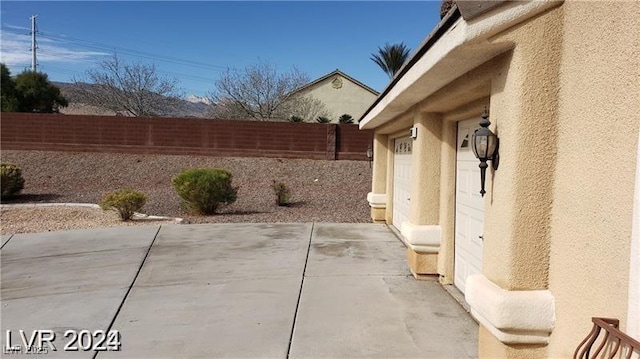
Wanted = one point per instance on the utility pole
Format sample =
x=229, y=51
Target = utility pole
x=33, y=43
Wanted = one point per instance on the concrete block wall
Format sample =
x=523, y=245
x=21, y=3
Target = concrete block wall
x=179, y=136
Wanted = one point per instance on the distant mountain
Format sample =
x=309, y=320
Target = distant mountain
x=191, y=106
x=198, y=99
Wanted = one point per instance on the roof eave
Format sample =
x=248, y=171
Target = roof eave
x=445, y=56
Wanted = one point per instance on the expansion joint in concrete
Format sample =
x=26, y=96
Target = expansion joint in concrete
x=5, y=243
x=133, y=282
x=304, y=274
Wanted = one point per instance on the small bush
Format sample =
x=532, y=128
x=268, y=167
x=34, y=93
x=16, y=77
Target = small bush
x=205, y=189
x=126, y=201
x=296, y=119
x=322, y=119
x=11, y=181
x=346, y=118
x=282, y=192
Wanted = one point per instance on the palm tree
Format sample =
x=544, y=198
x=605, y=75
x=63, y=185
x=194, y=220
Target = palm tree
x=346, y=118
x=390, y=58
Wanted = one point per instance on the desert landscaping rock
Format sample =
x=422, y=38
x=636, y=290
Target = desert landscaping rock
x=323, y=191
x=62, y=218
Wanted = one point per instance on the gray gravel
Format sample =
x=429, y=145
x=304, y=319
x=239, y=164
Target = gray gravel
x=324, y=191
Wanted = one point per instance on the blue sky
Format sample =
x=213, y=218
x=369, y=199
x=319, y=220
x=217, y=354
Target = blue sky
x=196, y=41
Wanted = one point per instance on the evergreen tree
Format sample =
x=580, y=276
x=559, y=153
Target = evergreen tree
x=8, y=95
x=37, y=94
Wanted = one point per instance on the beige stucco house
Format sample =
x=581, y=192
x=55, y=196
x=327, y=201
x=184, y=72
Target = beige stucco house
x=556, y=238
x=341, y=94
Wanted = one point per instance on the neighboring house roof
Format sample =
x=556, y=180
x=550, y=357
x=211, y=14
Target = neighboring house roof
x=333, y=73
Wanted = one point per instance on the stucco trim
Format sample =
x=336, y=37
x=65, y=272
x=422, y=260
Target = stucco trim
x=377, y=200
x=422, y=238
x=513, y=317
x=474, y=8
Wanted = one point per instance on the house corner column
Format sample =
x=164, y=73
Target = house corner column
x=422, y=232
x=377, y=198
x=519, y=201
x=446, y=267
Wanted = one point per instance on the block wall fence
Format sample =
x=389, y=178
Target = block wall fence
x=182, y=136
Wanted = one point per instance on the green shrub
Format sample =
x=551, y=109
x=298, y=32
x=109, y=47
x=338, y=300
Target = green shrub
x=322, y=119
x=11, y=180
x=282, y=192
x=346, y=118
x=205, y=189
x=296, y=119
x=126, y=201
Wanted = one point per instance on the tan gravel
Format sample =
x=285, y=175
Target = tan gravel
x=323, y=191
x=46, y=219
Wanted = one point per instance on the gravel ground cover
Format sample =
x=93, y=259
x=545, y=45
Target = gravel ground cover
x=45, y=219
x=323, y=191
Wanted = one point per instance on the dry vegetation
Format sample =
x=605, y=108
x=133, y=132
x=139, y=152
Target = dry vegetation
x=325, y=191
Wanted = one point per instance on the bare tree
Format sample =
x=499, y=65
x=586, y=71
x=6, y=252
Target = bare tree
x=225, y=109
x=257, y=92
x=133, y=89
x=306, y=107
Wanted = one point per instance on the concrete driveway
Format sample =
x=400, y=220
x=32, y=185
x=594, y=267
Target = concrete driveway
x=310, y=290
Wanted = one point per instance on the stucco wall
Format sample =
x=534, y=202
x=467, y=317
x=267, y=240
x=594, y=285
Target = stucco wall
x=565, y=102
x=523, y=114
x=424, y=208
x=599, y=111
x=447, y=201
x=349, y=98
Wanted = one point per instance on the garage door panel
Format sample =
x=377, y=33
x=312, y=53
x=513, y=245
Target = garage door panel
x=461, y=272
x=402, y=161
x=461, y=225
x=463, y=182
x=469, y=224
x=475, y=235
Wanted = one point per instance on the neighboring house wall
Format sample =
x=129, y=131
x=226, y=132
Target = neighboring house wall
x=341, y=96
x=560, y=81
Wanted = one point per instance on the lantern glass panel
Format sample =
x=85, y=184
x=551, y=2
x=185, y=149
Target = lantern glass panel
x=480, y=145
x=491, y=145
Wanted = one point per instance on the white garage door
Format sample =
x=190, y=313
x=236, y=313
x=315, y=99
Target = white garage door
x=401, y=180
x=469, y=207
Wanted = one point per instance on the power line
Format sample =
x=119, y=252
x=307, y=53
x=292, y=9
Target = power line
x=117, y=49
x=137, y=53
x=63, y=71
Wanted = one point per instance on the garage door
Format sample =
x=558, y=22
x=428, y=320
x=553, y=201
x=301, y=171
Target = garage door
x=401, y=180
x=469, y=208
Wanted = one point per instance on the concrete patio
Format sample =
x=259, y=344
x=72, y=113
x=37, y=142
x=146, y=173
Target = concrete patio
x=309, y=290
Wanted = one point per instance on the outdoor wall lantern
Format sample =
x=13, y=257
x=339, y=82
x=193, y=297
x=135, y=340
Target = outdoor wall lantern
x=485, y=146
x=370, y=155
